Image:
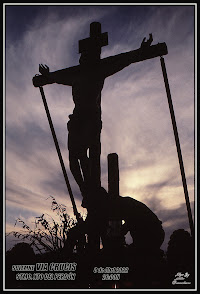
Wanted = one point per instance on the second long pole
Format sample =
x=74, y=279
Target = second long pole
x=178, y=147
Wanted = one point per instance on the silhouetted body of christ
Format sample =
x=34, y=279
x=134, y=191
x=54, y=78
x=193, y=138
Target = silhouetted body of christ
x=87, y=80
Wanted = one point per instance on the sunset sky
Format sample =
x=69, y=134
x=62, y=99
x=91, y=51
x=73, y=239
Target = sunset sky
x=135, y=113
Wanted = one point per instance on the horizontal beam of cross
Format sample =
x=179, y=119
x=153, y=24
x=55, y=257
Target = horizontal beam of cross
x=140, y=54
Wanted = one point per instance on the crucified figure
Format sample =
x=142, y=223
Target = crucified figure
x=87, y=80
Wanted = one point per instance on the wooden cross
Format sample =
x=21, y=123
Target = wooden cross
x=87, y=81
x=95, y=42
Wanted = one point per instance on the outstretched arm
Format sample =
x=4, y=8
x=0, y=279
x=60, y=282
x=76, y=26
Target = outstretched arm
x=113, y=64
x=63, y=76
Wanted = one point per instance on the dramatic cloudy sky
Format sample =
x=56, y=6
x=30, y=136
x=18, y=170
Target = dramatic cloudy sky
x=136, y=119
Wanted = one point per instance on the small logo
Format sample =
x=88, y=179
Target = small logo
x=180, y=278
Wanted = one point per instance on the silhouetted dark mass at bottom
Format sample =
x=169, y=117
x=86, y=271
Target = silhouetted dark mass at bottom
x=144, y=226
x=136, y=267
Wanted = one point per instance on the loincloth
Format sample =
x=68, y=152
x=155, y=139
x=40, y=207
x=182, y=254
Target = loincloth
x=83, y=132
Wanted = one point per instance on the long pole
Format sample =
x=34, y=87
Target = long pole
x=178, y=147
x=59, y=154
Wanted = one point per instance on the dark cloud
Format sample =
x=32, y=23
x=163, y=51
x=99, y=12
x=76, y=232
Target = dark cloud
x=20, y=195
x=56, y=185
x=27, y=139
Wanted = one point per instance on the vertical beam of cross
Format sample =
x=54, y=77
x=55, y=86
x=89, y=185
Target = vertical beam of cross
x=178, y=147
x=113, y=175
x=113, y=190
x=96, y=39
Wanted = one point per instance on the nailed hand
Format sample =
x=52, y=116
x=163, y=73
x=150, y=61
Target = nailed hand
x=147, y=43
x=43, y=69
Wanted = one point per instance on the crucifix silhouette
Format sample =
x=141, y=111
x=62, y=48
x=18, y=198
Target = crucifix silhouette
x=87, y=80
